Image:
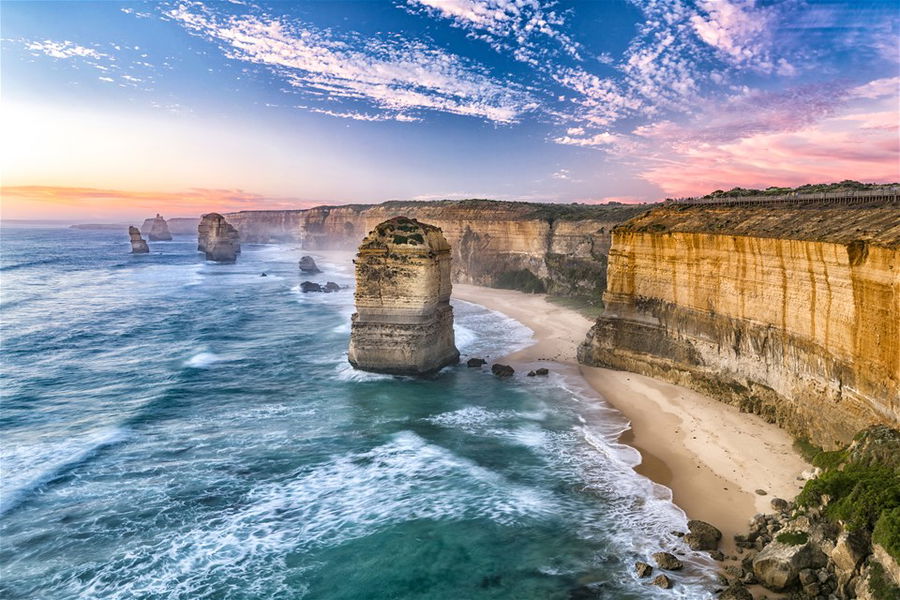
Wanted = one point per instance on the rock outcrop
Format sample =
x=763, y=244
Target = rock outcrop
x=308, y=265
x=789, y=312
x=403, y=322
x=138, y=244
x=561, y=249
x=156, y=229
x=218, y=238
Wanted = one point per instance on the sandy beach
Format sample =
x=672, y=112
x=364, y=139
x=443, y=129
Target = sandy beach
x=712, y=456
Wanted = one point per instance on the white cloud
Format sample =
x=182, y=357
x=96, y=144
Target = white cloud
x=358, y=116
x=605, y=139
x=561, y=174
x=64, y=49
x=739, y=29
x=393, y=74
x=520, y=27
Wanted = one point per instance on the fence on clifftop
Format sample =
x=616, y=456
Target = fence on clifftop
x=891, y=194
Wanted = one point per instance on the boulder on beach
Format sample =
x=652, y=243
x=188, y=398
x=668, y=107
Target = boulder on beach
x=502, y=371
x=476, y=362
x=542, y=372
x=308, y=265
x=702, y=536
x=138, y=244
x=778, y=565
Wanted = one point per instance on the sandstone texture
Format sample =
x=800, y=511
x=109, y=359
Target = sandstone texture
x=156, y=229
x=218, y=238
x=561, y=249
x=138, y=244
x=792, y=313
x=403, y=322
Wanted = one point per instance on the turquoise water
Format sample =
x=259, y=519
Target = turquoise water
x=176, y=429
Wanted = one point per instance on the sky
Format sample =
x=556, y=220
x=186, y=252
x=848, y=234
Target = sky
x=124, y=109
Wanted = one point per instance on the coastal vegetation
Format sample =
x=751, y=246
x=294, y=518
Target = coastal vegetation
x=848, y=185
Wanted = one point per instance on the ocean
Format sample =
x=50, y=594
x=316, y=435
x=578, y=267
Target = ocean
x=178, y=429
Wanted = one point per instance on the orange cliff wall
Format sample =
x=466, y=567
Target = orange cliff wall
x=805, y=332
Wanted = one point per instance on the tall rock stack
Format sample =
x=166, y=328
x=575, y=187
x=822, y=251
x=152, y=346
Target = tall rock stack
x=156, y=229
x=218, y=238
x=403, y=323
x=138, y=245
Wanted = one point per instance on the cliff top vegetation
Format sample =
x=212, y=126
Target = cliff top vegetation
x=848, y=185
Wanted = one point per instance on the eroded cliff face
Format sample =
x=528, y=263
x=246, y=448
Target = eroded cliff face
x=156, y=229
x=556, y=248
x=403, y=322
x=793, y=314
x=218, y=239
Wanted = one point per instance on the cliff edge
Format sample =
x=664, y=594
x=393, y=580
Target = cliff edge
x=789, y=312
x=403, y=322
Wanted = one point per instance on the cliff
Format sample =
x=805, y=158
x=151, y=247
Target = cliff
x=156, y=229
x=138, y=245
x=560, y=249
x=403, y=322
x=183, y=225
x=218, y=238
x=789, y=312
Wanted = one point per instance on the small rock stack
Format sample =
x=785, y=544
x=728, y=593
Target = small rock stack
x=138, y=244
x=156, y=229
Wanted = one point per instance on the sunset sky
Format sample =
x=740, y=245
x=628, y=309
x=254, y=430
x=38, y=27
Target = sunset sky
x=115, y=110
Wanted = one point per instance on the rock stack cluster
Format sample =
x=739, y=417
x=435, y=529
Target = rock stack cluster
x=138, y=244
x=156, y=229
x=403, y=322
x=218, y=239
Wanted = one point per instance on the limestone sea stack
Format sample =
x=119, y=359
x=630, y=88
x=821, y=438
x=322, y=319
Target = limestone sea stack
x=138, y=245
x=156, y=229
x=218, y=238
x=308, y=265
x=403, y=323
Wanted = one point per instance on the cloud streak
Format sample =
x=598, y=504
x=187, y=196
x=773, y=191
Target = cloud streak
x=393, y=74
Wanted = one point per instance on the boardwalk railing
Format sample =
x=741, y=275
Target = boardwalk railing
x=891, y=194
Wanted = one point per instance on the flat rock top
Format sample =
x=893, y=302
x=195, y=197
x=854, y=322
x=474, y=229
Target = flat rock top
x=878, y=224
x=405, y=235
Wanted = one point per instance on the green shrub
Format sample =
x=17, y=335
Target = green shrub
x=882, y=588
x=887, y=531
x=400, y=239
x=792, y=538
x=859, y=494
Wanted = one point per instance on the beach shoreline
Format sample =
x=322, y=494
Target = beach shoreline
x=710, y=455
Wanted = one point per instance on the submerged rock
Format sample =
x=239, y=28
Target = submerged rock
x=156, y=229
x=403, y=322
x=643, y=569
x=308, y=265
x=218, y=238
x=539, y=372
x=309, y=286
x=476, y=362
x=138, y=245
x=502, y=371
x=662, y=581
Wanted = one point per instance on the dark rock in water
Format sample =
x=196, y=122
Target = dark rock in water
x=218, y=238
x=138, y=245
x=476, y=362
x=643, y=569
x=502, y=371
x=308, y=265
x=539, y=372
x=736, y=591
x=156, y=229
x=309, y=286
x=263, y=275
x=331, y=287
x=702, y=536
x=667, y=561
x=662, y=581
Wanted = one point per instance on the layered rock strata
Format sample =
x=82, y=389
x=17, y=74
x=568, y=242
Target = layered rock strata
x=561, y=249
x=156, y=229
x=138, y=244
x=218, y=238
x=403, y=322
x=790, y=313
